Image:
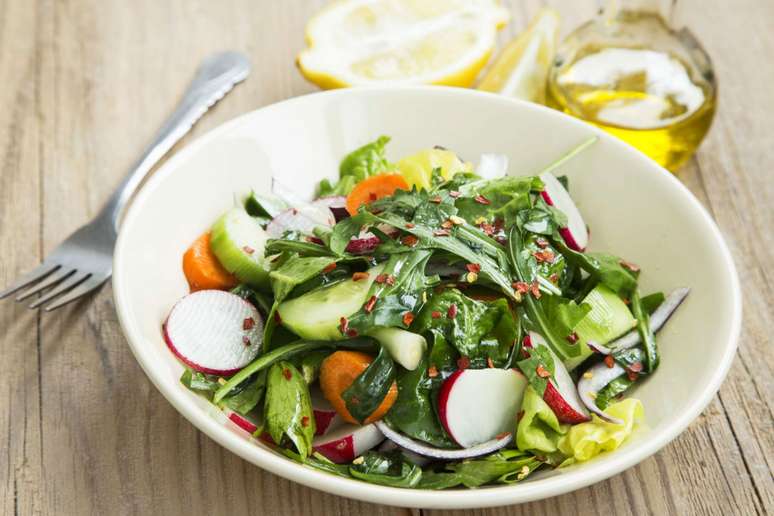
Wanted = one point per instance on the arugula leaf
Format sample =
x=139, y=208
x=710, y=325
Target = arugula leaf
x=506, y=197
x=387, y=469
x=317, y=461
x=288, y=407
x=343, y=232
x=248, y=398
x=359, y=164
x=413, y=412
x=605, y=268
x=608, y=393
x=257, y=298
x=539, y=359
x=504, y=467
x=370, y=388
x=646, y=333
x=294, y=271
x=281, y=245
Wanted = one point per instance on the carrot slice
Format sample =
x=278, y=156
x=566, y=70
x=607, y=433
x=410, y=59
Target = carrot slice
x=337, y=373
x=203, y=270
x=373, y=188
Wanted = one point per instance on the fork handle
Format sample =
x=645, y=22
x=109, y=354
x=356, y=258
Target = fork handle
x=215, y=77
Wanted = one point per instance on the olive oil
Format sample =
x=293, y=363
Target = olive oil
x=657, y=95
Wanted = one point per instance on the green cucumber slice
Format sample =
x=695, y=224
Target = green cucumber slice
x=608, y=319
x=317, y=315
x=405, y=347
x=238, y=242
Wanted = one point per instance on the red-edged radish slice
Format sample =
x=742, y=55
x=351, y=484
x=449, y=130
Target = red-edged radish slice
x=500, y=441
x=214, y=332
x=561, y=394
x=347, y=442
x=325, y=416
x=576, y=234
x=592, y=381
x=302, y=219
x=477, y=405
x=336, y=203
x=246, y=423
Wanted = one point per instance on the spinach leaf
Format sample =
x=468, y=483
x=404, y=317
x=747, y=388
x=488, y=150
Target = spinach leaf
x=311, y=363
x=286, y=352
x=387, y=469
x=370, y=388
x=646, y=333
x=652, y=301
x=359, y=164
x=202, y=383
x=413, y=412
x=564, y=315
x=535, y=367
x=288, y=407
x=618, y=386
x=247, y=399
x=343, y=232
x=503, y=467
x=505, y=196
x=443, y=356
x=604, y=268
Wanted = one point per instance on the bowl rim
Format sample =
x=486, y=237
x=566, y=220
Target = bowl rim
x=586, y=474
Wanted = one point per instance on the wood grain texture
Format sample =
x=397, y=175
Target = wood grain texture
x=85, y=84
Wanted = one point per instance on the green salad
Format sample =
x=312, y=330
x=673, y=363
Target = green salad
x=424, y=323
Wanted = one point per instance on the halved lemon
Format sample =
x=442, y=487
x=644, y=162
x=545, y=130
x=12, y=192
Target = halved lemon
x=521, y=69
x=362, y=42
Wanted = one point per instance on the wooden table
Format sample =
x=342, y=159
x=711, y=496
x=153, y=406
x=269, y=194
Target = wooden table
x=85, y=82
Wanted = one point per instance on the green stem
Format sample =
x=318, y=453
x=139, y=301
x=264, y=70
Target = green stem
x=646, y=333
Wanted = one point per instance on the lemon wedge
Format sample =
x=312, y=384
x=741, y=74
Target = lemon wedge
x=367, y=42
x=521, y=69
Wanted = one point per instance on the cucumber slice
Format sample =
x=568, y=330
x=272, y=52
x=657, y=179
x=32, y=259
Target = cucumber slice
x=608, y=319
x=238, y=242
x=317, y=315
x=405, y=347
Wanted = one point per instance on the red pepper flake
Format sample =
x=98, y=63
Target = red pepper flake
x=246, y=340
x=609, y=361
x=542, y=371
x=629, y=266
x=248, y=323
x=489, y=362
x=435, y=314
x=295, y=211
x=541, y=243
x=454, y=194
x=277, y=317
x=409, y=225
x=572, y=338
x=328, y=268
x=408, y=318
x=480, y=199
x=344, y=325
x=357, y=276
x=432, y=371
x=409, y=240
x=390, y=279
x=527, y=341
x=502, y=435
x=451, y=313
x=314, y=240
x=287, y=374
x=305, y=421
x=499, y=224
x=380, y=278
x=372, y=196
x=544, y=256
x=627, y=301
x=535, y=289
x=636, y=367
x=369, y=306
x=351, y=332
x=632, y=375
x=436, y=199
x=473, y=267
x=488, y=229
x=463, y=363
x=519, y=415
x=441, y=232
x=553, y=278
x=447, y=224
x=248, y=249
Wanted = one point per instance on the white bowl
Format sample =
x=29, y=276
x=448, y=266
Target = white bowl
x=634, y=209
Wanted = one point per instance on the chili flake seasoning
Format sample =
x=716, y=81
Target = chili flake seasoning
x=409, y=225
x=435, y=314
x=541, y=243
x=609, y=361
x=473, y=267
x=328, y=268
x=357, y=276
x=451, y=313
x=344, y=325
x=432, y=371
x=305, y=421
x=408, y=318
x=409, y=240
x=248, y=249
x=542, y=371
x=632, y=375
x=629, y=266
x=369, y=306
x=520, y=287
x=489, y=362
x=535, y=289
x=454, y=194
x=572, y=338
x=437, y=199
x=463, y=362
x=441, y=232
x=480, y=199
x=248, y=323
x=287, y=374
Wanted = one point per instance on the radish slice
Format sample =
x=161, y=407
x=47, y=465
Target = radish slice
x=336, y=203
x=302, y=219
x=414, y=458
x=477, y=405
x=492, y=166
x=214, y=332
x=592, y=381
x=247, y=423
x=347, y=442
x=325, y=416
x=442, y=453
x=561, y=394
x=576, y=235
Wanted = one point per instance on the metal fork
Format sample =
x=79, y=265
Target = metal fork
x=84, y=261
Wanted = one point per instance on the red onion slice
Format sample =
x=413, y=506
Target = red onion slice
x=441, y=453
x=593, y=381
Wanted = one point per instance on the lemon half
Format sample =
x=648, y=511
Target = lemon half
x=366, y=42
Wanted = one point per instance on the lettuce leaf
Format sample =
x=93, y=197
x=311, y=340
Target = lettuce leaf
x=587, y=440
x=359, y=164
x=538, y=429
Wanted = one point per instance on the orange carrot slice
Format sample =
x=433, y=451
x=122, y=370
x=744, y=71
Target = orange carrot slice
x=373, y=188
x=203, y=270
x=337, y=373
